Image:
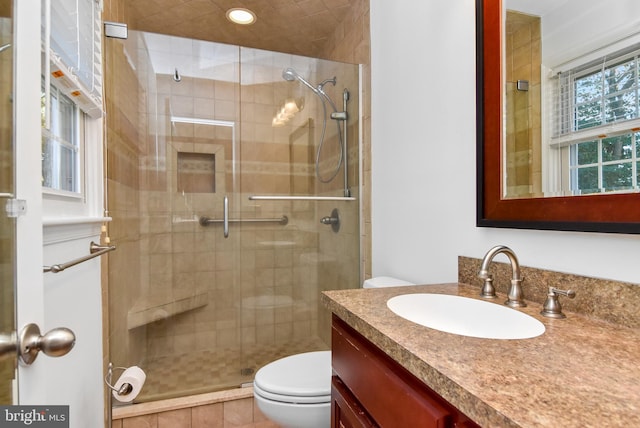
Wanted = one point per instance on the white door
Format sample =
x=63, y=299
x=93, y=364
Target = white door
x=29, y=290
x=71, y=298
x=21, y=230
x=21, y=194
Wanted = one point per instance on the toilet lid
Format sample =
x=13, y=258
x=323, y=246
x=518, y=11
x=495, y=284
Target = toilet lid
x=300, y=375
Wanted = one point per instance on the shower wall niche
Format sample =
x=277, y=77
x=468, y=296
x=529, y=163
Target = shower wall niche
x=192, y=133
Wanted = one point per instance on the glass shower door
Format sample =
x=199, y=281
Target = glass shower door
x=191, y=137
x=198, y=102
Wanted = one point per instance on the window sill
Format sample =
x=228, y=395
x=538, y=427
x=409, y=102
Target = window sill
x=56, y=230
x=68, y=221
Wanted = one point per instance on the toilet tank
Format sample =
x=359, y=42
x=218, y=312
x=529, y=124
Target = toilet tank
x=384, y=281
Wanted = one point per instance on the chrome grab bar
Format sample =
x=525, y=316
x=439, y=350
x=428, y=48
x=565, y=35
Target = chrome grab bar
x=225, y=214
x=95, y=250
x=206, y=221
x=345, y=149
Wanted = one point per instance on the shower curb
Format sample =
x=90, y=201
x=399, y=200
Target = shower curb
x=133, y=410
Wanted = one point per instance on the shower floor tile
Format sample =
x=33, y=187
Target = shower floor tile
x=214, y=370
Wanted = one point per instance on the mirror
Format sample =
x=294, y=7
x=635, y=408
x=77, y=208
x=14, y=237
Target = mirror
x=593, y=126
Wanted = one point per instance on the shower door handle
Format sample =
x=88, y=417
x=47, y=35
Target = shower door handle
x=225, y=216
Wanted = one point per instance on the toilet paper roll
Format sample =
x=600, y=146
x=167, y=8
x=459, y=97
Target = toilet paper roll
x=133, y=376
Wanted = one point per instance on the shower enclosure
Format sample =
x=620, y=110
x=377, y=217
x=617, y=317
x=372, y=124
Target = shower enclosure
x=226, y=225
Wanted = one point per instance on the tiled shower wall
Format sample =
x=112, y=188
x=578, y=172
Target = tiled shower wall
x=523, y=129
x=350, y=43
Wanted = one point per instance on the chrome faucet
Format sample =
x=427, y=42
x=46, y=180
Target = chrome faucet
x=515, y=297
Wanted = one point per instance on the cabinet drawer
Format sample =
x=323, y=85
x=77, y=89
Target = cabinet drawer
x=346, y=411
x=391, y=395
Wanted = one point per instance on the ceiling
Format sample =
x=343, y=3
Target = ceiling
x=534, y=7
x=300, y=27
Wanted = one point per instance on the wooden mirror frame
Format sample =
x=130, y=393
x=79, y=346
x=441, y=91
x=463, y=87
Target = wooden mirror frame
x=615, y=213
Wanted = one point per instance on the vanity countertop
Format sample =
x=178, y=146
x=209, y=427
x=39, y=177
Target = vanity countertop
x=581, y=372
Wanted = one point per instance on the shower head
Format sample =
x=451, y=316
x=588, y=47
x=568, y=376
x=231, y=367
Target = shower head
x=289, y=74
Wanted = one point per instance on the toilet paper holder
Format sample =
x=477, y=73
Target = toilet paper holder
x=125, y=389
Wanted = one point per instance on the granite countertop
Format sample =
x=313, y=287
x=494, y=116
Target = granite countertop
x=581, y=372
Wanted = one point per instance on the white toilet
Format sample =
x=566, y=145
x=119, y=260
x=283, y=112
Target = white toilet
x=295, y=391
x=384, y=281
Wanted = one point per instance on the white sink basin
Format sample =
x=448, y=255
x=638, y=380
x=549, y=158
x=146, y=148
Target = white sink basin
x=465, y=316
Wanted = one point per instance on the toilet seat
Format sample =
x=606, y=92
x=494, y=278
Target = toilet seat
x=301, y=379
x=291, y=399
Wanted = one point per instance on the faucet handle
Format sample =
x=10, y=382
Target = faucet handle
x=552, y=307
x=488, y=290
x=515, y=297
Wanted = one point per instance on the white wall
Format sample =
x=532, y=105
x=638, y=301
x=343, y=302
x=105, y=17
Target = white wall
x=423, y=157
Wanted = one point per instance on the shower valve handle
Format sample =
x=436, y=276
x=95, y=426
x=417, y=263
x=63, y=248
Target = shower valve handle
x=333, y=220
x=329, y=220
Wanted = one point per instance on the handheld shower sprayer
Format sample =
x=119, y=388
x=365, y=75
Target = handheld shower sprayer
x=289, y=74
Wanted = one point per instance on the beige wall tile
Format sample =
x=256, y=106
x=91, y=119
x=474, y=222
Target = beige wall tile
x=146, y=421
x=238, y=412
x=180, y=418
x=209, y=416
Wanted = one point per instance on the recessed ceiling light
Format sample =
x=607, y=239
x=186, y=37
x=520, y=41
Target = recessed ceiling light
x=241, y=16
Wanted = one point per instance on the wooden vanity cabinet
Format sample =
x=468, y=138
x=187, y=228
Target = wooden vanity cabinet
x=369, y=389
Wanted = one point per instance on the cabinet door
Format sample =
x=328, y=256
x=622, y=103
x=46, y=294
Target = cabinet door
x=346, y=412
x=388, y=394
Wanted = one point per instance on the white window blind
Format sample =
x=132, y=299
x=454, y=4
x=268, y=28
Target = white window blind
x=71, y=33
x=598, y=99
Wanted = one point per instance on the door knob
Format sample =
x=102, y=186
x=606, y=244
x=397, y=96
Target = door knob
x=29, y=343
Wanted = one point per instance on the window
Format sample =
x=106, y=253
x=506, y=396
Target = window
x=61, y=144
x=606, y=164
x=597, y=116
x=71, y=90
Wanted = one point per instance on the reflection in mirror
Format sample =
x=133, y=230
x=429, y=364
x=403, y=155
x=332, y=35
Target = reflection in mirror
x=522, y=86
x=572, y=120
x=571, y=81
